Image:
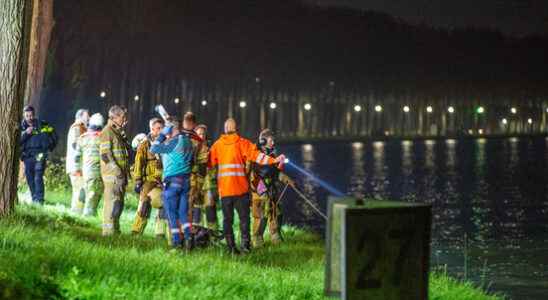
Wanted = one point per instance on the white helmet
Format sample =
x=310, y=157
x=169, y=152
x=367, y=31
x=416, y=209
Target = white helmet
x=97, y=120
x=137, y=140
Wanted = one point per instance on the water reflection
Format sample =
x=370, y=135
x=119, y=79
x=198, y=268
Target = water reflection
x=494, y=192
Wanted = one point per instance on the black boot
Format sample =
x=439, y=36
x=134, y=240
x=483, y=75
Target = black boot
x=246, y=246
x=231, y=245
x=188, y=245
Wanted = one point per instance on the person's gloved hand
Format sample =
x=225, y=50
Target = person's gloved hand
x=167, y=130
x=138, y=186
x=280, y=160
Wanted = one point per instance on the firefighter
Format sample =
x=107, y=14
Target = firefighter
x=114, y=150
x=147, y=173
x=204, y=206
x=88, y=163
x=266, y=189
x=37, y=139
x=78, y=128
x=229, y=155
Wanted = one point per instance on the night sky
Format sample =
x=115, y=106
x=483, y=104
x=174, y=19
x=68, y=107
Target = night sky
x=514, y=17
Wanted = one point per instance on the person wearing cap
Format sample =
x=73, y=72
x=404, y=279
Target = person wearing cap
x=78, y=128
x=114, y=150
x=37, y=139
x=87, y=161
x=229, y=155
x=266, y=183
x=147, y=174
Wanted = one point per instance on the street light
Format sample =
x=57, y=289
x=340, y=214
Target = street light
x=406, y=109
x=480, y=110
x=273, y=105
x=480, y=131
x=429, y=109
x=136, y=98
x=530, y=121
x=504, y=121
x=451, y=109
x=308, y=106
x=204, y=102
x=378, y=108
x=243, y=104
x=357, y=108
x=513, y=110
x=176, y=100
x=103, y=94
x=257, y=79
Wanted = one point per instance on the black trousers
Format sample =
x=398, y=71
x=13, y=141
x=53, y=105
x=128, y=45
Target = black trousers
x=242, y=205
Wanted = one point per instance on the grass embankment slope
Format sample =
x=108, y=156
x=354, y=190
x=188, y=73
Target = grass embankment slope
x=45, y=252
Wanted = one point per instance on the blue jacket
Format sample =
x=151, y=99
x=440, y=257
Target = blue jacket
x=42, y=139
x=177, y=154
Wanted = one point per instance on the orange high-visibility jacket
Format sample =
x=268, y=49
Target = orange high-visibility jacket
x=229, y=154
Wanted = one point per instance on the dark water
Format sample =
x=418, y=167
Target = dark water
x=491, y=192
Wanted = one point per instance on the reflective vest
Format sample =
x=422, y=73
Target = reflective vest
x=229, y=155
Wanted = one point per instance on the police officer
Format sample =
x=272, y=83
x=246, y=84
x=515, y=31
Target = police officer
x=37, y=139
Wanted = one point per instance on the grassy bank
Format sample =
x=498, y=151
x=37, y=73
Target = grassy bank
x=45, y=252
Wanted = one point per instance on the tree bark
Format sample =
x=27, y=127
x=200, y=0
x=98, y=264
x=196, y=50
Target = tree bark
x=13, y=50
x=40, y=36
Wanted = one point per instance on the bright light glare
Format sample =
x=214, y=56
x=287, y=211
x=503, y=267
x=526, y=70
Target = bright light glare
x=243, y=104
x=204, y=102
x=176, y=100
x=103, y=94
x=378, y=108
x=480, y=131
x=504, y=121
x=308, y=106
x=136, y=98
x=480, y=110
x=451, y=109
x=357, y=108
x=286, y=161
x=530, y=121
x=273, y=105
x=514, y=110
x=429, y=109
x=406, y=108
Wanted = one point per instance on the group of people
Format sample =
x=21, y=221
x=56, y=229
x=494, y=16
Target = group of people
x=175, y=171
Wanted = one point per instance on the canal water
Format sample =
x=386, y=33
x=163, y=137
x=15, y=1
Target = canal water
x=489, y=198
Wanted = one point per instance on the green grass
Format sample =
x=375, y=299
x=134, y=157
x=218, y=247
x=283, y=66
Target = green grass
x=45, y=252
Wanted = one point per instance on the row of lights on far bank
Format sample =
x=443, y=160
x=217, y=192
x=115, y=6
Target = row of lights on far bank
x=357, y=107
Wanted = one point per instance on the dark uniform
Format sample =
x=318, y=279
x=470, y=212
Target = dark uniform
x=35, y=147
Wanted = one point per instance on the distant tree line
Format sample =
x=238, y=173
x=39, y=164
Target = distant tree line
x=291, y=54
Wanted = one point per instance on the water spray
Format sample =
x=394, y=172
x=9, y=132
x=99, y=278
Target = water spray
x=317, y=180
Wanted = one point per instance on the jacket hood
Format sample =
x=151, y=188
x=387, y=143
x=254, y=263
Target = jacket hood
x=229, y=139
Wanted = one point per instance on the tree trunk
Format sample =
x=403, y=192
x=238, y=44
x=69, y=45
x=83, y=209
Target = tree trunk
x=40, y=35
x=13, y=50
